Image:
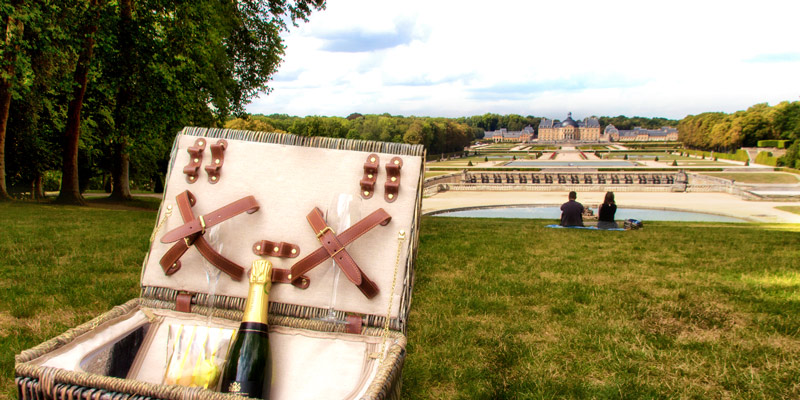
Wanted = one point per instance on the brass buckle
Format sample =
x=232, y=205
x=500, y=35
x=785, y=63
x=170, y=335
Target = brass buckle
x=322, y=232
x=202, y=225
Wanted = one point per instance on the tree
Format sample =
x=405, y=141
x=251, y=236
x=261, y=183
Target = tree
x=70, y=186
x=14, y=29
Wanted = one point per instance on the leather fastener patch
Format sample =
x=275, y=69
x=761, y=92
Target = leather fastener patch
x=392, y=186
x=370, y=176
x=192, y=169
x=276, y=249
x=217, y=159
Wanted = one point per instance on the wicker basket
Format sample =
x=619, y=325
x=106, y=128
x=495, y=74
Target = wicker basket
x=34, y=380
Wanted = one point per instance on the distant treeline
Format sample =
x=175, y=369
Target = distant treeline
x=727, y=132
x=439, y=135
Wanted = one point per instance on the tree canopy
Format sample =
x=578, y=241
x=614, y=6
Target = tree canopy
x=722, y=132
x=103, y=85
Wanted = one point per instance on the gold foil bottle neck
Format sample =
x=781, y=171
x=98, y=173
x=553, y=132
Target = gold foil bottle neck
x=260, y=272
x=255, y=308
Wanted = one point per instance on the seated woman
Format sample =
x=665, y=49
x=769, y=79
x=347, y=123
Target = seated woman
x=605, y=220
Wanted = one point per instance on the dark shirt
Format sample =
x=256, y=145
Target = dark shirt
x=607, y=212
x=572, y=213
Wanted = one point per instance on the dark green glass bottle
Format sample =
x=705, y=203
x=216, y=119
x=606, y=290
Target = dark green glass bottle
x=248, y=371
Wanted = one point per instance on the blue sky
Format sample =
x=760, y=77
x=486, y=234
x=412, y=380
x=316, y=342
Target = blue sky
x=459, y=58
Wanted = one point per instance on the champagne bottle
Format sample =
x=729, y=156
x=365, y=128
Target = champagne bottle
x=248, y=371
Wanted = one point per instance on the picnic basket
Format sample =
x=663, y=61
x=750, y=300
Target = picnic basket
x=330, y=337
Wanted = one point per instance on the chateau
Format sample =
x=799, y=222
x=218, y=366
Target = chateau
x=639, y=134
x=587, y=130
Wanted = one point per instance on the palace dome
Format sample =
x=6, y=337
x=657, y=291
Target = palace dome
x=569, y=122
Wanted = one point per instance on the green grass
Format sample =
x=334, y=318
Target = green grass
x=510, y=309
x=430, y=174
x=501, y=308
x=791, y=209
x=61, y=266
x=757, y=177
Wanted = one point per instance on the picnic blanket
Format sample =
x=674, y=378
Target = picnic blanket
x=594, y=228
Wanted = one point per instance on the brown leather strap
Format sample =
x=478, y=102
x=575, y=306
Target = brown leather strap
x=392, y=185
x=333, y=246
x=217, y=159
x=282, y=276
x=192, y=236
x=274, y=249
x=183, y=302
x=200, y=224
x=171, y=263
x=354, y=323
x=195, y=160
x=370, y=176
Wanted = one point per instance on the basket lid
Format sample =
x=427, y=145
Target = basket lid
x=288, y=176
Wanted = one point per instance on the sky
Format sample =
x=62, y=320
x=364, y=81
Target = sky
x=444, y=58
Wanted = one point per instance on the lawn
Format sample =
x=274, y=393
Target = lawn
x=501, y=309
x=791, y=209
x=757, y=177
x=431, y=174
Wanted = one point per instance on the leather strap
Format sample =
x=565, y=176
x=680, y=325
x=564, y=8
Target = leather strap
x=282, y=276
x=171, y=263
x=183, y=302
x=192, y=234
x=200, y=224
x=217, y=159
x=354, y=323
x=392, y=185
x=370, y=176
x=274, y=249
x=195, y=160
x=333, y=246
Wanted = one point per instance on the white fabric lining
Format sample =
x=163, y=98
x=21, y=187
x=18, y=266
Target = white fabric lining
x=307, y=364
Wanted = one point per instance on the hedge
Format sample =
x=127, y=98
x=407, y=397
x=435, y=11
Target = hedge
x=740, y=155
x=781, y=144
x=766, y=158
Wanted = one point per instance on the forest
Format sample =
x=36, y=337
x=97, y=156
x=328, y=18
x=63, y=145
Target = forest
x=92, y=92
x=728, y=132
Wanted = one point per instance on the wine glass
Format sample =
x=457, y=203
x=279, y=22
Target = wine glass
x=212, y=236
x=343, y=210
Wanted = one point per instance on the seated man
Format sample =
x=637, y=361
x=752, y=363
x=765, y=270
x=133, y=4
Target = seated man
x=571, y=211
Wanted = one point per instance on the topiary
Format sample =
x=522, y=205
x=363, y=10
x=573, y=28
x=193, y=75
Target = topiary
x=656, y=158
x=485, y=159
x=469, y=164
x=674, y=163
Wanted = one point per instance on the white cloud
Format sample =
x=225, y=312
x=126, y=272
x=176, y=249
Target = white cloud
x=445, y=58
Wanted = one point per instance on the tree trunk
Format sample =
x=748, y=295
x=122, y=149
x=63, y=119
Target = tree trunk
x=38, y=189
x=120, y=182
x=5, y=104
x=14, y=29
x=70, y=187
x=120, y=186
